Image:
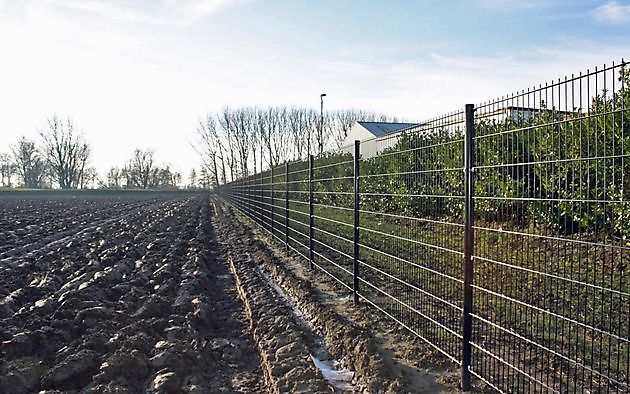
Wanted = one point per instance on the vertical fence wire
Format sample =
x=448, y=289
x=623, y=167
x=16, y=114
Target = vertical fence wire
x=551, y=239
x=548, y=307
x=411, y=229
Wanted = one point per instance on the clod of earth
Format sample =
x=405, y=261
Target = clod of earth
x=150, y=293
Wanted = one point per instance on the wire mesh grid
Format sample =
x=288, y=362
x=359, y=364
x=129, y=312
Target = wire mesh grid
x=411, y=201
x=551, y=289
x=548, y=187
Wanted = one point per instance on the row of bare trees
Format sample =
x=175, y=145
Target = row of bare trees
x=60, y=157
x=199, y=180
x=142, y=171
x=242, y=141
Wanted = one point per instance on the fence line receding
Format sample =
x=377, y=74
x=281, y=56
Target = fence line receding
x=499, y=234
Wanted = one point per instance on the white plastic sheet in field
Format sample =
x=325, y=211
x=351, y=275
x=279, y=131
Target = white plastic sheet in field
x=340, y=379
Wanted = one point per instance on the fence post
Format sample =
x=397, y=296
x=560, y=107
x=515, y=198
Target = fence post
x=355, y=271
x=468, y=245
x=310, y=211
x=286, y=206
x=273, y=202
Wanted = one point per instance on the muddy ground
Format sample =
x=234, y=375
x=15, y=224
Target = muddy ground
x=384, y=356
x=173, y=294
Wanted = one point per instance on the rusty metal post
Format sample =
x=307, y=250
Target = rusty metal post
x=286, y=206
x=355, y=286
x=310, y=210
x=468, y=246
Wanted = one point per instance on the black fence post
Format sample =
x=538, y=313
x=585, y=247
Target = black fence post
x=355, y=286
x=310, y=210
x=273, y=203
x=286, y=206
x=468, y=245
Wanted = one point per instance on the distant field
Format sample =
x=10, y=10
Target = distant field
x=9, y=191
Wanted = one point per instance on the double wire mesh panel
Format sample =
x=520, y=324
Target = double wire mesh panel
x=500, y=235
x=298, y=202
x=552, y=229
x=410, y=225
x=333, y=207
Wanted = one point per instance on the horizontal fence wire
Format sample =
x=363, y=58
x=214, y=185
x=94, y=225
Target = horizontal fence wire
x=411, y=267
x=551, y=289
x=550, y=190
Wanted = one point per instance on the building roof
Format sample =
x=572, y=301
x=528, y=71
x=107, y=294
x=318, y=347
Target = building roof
x=382, y=128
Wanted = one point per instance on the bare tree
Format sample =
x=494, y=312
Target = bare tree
x=241, y=131
x=164, y=178
x=89, y=178
x=204, y=178
x=176, y=179
x=227, y=127
x=114, y=177
x=30, y=165
x=301, y=124
x=267, y=123
x=273, y=135
x=344, y=120
x=85, y=175
x=260, y=128
x=282, y=136
x=7, y=169
x=141, y=171
x=192, y=179
x=140, y=168
x=66, y=152
x=210, y=148
x=254, y=138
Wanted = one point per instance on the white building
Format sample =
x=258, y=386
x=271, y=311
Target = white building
x=515, y=114
x=374, y=136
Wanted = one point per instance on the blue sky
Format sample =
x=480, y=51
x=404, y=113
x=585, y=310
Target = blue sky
x=140, y=73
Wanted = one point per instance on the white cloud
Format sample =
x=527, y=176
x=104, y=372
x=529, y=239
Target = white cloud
x=131, y=84
x=104, y=9
x=613, y=12
x=200, y=9
x=516, y=4
x=159, y=12
x=443, y=82
x=106, y=78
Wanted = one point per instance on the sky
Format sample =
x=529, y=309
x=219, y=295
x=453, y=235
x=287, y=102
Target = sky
x=141, y=73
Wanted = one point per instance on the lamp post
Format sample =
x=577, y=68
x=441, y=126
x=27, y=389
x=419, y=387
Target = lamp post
x=321, y=123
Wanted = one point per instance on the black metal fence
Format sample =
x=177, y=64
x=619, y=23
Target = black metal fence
x=499, y=234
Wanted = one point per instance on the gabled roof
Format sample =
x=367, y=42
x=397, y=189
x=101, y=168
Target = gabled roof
x=382, y=128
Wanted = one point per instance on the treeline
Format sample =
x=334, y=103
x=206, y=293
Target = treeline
x=202, y=180
x=237, y=142
x=61, y=156
x=142, y=172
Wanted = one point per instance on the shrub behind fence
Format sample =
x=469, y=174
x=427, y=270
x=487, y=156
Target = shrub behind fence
x=499, y=234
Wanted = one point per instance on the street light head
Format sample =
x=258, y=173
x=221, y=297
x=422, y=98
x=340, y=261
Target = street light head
x=322, y=95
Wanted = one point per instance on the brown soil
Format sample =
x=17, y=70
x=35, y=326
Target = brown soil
x=176, y=294
x=386, y=357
